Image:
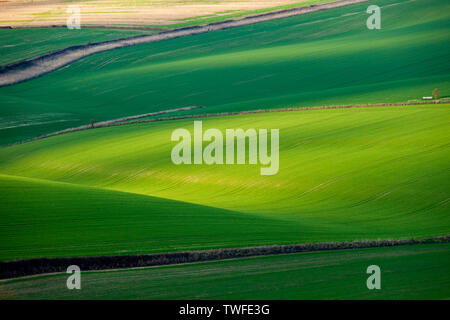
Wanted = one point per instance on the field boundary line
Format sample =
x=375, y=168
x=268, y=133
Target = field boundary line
x=29, y=267
x=125, y=120
x=107, y=123
x=35, y=67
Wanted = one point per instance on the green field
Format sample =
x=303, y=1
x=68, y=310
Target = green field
x=19, y=44
x=410, y=272
x=324, y=58
x=345, y=174
x=48, y=219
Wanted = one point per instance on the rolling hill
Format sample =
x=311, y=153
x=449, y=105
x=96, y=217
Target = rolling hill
x=324, y=58
x=345, y=174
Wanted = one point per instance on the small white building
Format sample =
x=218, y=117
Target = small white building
x=427, y=98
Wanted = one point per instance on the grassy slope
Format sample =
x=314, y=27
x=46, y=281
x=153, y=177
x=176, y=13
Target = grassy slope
x=19, y=44
x=49, y=219
x=328, y=57
x=411, y=272
x=344, y=174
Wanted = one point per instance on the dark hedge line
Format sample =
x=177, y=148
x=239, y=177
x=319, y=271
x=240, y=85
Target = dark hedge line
x=19, y=268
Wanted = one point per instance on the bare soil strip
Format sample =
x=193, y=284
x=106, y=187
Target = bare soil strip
x=35, y=67
x=28, y=267
x=125, y=120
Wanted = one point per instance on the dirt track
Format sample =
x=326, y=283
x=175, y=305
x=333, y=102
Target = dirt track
x=35, y=67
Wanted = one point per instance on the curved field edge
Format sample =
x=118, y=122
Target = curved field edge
x=51, y=219
x=20, y=44
x=115, y=122
x=323, y=58
x=153, y=117
x=30, y=267
x=36, y=67
x=407, y=272
x=387, y=179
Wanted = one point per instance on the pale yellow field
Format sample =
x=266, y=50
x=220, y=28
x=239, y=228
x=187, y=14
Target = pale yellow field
x=124, y=12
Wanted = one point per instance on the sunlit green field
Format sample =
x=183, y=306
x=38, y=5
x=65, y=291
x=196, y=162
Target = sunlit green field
x=410, y=272
x=19, y=44
x=47, y=219
x=344, y=174
x=324, y=58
